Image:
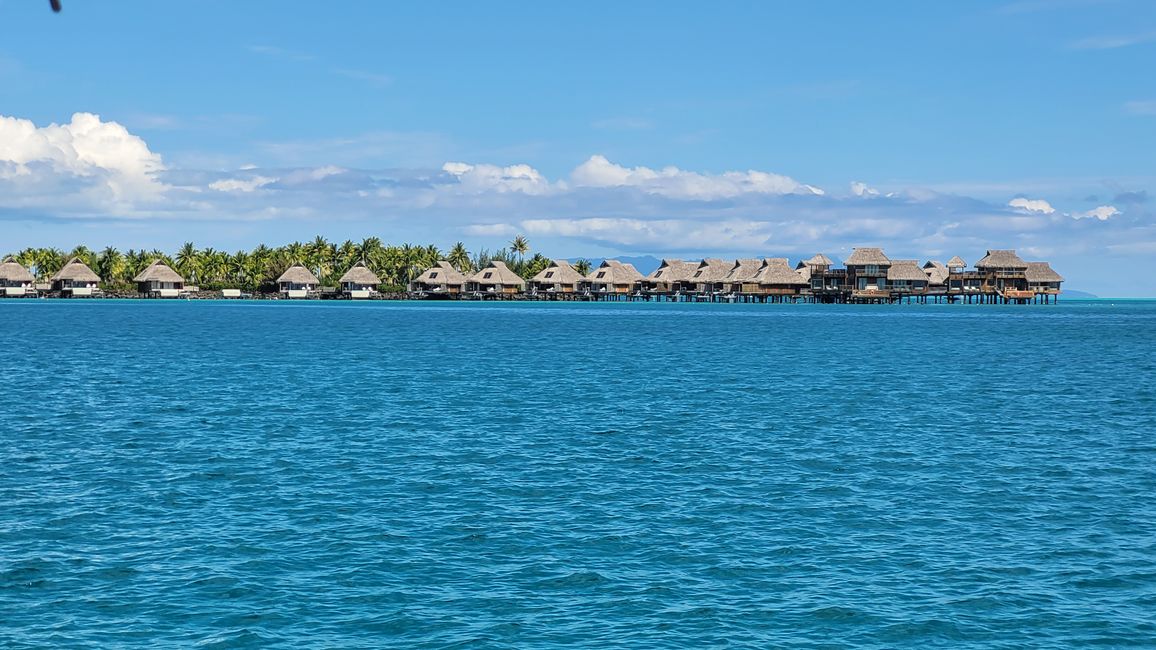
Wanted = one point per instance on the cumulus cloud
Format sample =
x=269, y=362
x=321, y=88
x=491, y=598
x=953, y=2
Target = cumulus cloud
x=1031, y=206
x=677, y=183
x=861, y=189
x=1103, y=213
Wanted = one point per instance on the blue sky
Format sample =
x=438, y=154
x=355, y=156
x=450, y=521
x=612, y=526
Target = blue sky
x=597, y=129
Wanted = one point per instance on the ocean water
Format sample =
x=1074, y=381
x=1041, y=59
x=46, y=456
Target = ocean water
x=433, y=475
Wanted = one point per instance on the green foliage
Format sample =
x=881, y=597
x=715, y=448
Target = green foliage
x=259, y=268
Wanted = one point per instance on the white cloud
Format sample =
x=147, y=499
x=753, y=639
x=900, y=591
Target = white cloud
x=1031, y=206
x=102, y=160
x=859, y=188
x=676, y=183
x=665, y=234
x=485, y=178
x=1103, y=213
x=490, y=229
x=241, y=185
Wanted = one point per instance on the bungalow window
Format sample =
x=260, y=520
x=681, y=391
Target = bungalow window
x=698, y=274
x=657, y=273
x=487, y=275
x=601, y=274
x=549, y=274
x=871, y=269
x=433, y=274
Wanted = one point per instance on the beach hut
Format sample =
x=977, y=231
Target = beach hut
x=359, y=283
x=672, y=276
x=613, y=277
x=496, y=279
x=1042, y=279
x=440, y=280
x=559, y=277
x=777, y=279
x=159, y=280
x=906, y=277
x=1004, y=273
x=707, y=278
x=820, y=276
x=956, y=264
x=740, y=279
x=15, y=280
x=297, y=282
x=75, y=279
x=867, y=272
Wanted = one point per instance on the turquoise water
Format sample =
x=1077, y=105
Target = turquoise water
x=230, y=474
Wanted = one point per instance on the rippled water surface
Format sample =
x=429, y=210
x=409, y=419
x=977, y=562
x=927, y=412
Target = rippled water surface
x=531, y=475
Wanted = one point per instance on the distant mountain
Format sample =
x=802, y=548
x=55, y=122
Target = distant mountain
x=1072, y=293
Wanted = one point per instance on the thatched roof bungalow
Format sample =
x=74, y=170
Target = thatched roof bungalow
x=906, y=276
x=496, y=278
x=937, y=274
x=775, y=277
x=559, y=277
x=297, y=282
x=613, y=276
x=672, y=276
x=359, y=282
x=1004, y=271
x=740, y=279
x=75, y=279
x=867, y=269
x=708, y=277
x=15, y=279
x=1042, y=279
x=159, y=280
x=956, y=264
x=441, y=279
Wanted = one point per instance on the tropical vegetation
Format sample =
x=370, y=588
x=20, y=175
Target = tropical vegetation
x=258, y=269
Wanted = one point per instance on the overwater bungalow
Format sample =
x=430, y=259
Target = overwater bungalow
x=671, y=277
x=867, y=273
x=15, y=280
x=559, y=278
x=75, y=279
x=824, y=281
x=956, y=265
x=1043, y=280
x=496, y=279
x=159, y=280
x=741, y=277
x=937, y=274
x=298, y=282
x=708, y=277
x=440, y=280
x=906, y=278
x=612, y=277
x=1004, y=273
x=777, y=281
x=359, y=283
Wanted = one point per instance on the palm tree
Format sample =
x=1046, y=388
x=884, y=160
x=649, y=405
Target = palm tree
x=582, y=266
x=110, y=264
x=459, y=258
x=189, y=261
x=520, y=245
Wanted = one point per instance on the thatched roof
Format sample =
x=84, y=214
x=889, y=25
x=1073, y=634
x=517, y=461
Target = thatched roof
x=711, y=270
x=936, y=272
x=360, y=274
x=906, y=270
x=1042, y=272
x=865, y=256
x=76, y=271
x=559, y=272
x=441, y=273
x=298, y=274
x=956, y=263
x=819, y=260
x=777, y=271
x=1001, y=260
x=14, y=271
x=673, y=271
x=158, y=271
x=743, y=270
x=614, y=272
x=497, y=273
